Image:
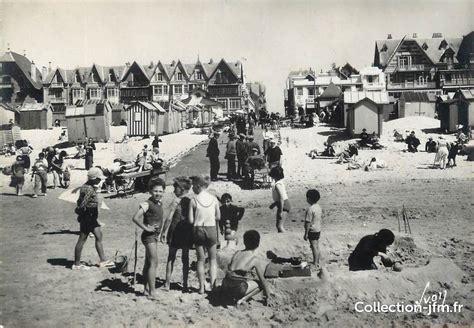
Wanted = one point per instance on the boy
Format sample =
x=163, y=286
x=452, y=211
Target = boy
x=362, y=258
x=230, y=216
x=312, y=224
x=152, y=213
x=203, y=213
x=88, y=211
x=40, y=172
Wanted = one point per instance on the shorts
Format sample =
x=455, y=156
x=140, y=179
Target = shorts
x=312, y=235
x=205, y=236
x=149, y=237
x=88, y=220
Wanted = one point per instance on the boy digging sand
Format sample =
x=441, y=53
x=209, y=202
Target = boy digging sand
x=203, y=214
x=312, y=224
x=230, y=217
x=152, y=213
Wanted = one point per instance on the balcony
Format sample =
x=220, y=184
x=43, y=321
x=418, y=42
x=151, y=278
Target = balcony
x=412, y=85
x=56, y=85
x=57, y=100
x=456, y=78
x=133, y=84
x=411, y=68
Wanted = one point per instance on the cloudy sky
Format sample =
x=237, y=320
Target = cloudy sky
x=271, y=38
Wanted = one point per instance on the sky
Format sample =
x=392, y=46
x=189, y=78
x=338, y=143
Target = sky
x=270, y=38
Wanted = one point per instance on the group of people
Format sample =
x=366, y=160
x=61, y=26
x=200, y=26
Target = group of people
x=371, y=141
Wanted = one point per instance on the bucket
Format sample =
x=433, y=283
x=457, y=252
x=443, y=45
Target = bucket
x=121, y=263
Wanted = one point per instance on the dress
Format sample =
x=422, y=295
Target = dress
x=443, y=152
x=180, y=232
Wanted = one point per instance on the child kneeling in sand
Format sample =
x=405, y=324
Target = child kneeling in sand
x=152, y=213
x=312, y=224
x=237, y=283
x=88, y=211
x=230, y=217
x=203, y=213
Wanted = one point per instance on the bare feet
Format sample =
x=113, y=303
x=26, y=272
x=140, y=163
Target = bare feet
x=153, y=297
x=166, y=287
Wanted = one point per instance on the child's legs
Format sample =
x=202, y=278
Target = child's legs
x=152, y=257
x=78, y=249
x=19, y=187
x=55, y=178
x=280, y=220
x=44, y=182
x=170, y=264
x=212, y=253
x=37, y=183
x=185, y=260
x=98, y=243
x=200, y=267
x=315, y=249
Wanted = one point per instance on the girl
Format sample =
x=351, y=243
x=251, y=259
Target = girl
x=280, y=197
x=57, y=168
x=178, y=231
x=152, y=213
x=203, y=214
x=442, y=154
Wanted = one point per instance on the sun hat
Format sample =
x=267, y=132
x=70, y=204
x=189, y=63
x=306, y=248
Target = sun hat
x=94, y=173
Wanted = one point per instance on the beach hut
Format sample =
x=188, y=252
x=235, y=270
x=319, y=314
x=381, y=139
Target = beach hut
x=36, y=116
x=181, y=114
x=145, y=118
x=203, y=108
x=89, y=119
x=8, y=114
x=9, y=134
x=457, y=111
x=381, y=98
x=416, y=104
x=365, y=114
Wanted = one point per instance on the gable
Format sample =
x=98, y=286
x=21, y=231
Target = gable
x=94, y=75
x=160, y=70
x=410, y=48
x=180, y=73
x=135, y=74
x=223, y=74
x=194, y=75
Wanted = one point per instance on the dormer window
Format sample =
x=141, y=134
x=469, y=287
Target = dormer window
x=180, y=77
x=76, y=80
x=110, y=77
x=425, y=46
x=93, y=77
x=198, y=75
x=384, y=47
x=443, y=45
x=159, y=76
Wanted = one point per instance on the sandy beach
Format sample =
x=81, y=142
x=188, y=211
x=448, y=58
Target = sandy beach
x=38, y=287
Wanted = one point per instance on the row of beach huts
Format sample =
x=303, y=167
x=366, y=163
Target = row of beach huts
x=93, y=118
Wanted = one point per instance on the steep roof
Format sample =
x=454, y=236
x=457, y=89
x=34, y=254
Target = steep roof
x=26, y=107
x=466, y=48
x=352, y=97
x=25, y=66
x=209, y=68
x=332, y=91
x=385, y=49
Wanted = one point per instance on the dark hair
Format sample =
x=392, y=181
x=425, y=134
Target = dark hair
x=313, y=195
x=156, y=182
x=226, y=196
x=201, y=180
x=182, y=182
x=63, y=153
x=385, y=236
x=251, y=239
x=277, y=173
x=41, y=155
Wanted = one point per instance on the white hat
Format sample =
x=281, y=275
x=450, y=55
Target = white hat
x=95, y=173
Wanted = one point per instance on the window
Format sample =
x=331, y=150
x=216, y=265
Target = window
x=55, y=93
x=76, y=80
x=165, y=89
x=299, y=91
x=234, y=103
x=112, y=92
x=186, y=88
x=138, y=116
x=110, y=77
x=93, y=77
x=180, y=77
x=78, y=93
x=198, y=75
x=94, y=93
x=223, y=102
x=311, y=91
x=370, y=79
x=152, y=118
x=191, y=87
x=178, y=89
x=221, y=77
x=159, y=76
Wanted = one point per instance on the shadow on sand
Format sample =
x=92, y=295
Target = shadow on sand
x=60, y=262
x=61, y=232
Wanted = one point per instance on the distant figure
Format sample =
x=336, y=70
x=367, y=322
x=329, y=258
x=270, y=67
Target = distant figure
x=280, y=197
x=230, y=154
x=241, y=150
x=156, y=142
x=213, y=154
x=89, y=157
x=461, y=137
x=25, y=152
x=430, y=146
x=362, y=258
x=18, y=176
x=413, y=142
x=267, y=136
x=57, y=123
x=273, y=154
x=123, y=122
x=364, y=138
x=453, y=151
x=442, y=154
x=230, y=217
x=328, y=151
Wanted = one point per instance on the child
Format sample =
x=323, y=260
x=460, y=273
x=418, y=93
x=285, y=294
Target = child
x=88, y=211
x=18, y=175
x=203, y=213
x=230, y=217
x=238, y=283
x=40, y=172
x=280, y=197
x=152, y=213
x=362, y=258
x=312, y=223
x=178, y=231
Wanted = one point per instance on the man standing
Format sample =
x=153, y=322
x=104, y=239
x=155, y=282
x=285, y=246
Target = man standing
x=89, y=148
x=241, y=148
x=230, y=156
x=213, y=154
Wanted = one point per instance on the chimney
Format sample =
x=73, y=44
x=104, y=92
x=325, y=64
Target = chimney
x=44, y=72
x=414, y=36
x=151, y=64
x=33, y=71
x=389, y=36
x=173, y=63
x=211, y=61
x=437, y=35
x=49, y=67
